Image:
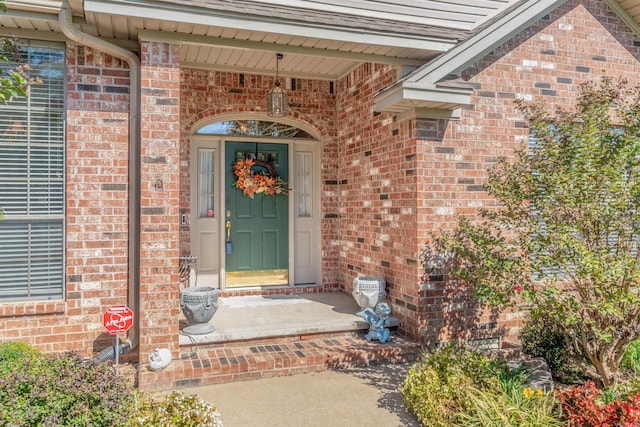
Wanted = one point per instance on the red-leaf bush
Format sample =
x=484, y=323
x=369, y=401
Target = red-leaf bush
x=581, y=408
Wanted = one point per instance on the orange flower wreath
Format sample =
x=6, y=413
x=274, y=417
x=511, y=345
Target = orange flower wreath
x=252, y=183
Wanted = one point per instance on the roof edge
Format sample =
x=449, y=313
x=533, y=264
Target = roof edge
x=428, y=84
x=194, y=14
x=485, y=40
x=622, y=14
x=408, y=95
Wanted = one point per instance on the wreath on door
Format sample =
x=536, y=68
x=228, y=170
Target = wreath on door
x=264, y=180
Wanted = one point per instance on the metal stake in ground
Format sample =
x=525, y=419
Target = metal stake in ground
x=117, y=350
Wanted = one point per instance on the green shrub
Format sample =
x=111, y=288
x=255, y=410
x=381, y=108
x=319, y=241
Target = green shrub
x=175, y=410
x=511, y=379
x=619, y=391
x=435, y=389
x=456, y=386
x=14, y=354
x=514, y=407
x=56, y=390
x=65, y=390
x=631, y=358
x=541, y=337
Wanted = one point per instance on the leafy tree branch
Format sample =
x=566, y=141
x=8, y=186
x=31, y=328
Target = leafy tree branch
x=565, y=238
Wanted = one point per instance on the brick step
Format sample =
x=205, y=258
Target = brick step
x=240, y=361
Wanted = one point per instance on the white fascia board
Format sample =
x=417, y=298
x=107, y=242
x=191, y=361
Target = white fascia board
x=478, y=45
x=181, y=38
x=391, y=96
x=8, y=30
x=428, y=113
x=52, y=36
x=201, y=16
x=33, y=16
x=44, y=6
x=421, y=93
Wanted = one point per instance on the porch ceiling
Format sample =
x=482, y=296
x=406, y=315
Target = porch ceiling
x=304, y=57
x=244, y=36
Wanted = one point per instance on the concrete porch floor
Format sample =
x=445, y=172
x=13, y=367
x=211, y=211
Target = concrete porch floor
x=268, y=316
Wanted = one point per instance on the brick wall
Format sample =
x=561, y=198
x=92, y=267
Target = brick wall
x=209, y=95
x=159, y=188
x=97, y=212
x=579, y=42
x=97, y=192
x=377, y=183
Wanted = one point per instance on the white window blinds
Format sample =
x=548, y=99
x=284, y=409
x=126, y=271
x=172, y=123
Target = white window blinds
x=32, y=154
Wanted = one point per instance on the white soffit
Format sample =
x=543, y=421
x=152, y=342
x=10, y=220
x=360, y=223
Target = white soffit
x=412, y=95
x=628, y=11
x=631, y=7
x=233, y=41
x=303, y=58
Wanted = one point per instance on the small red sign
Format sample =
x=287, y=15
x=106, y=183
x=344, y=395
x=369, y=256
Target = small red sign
x=118, y=318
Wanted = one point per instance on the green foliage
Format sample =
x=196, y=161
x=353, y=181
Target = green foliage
x=540, y=336
x=511, y=408
x=175, y=410
x=622, y=390
x=64, y=390
x=458, y=386
x=631, y=358
x=14, y=82
x=510, y=379
x=565, y=235
x=435, y=389
x=14, y=354
x=56, y=390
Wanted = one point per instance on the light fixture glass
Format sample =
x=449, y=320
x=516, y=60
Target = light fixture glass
x=277, y=99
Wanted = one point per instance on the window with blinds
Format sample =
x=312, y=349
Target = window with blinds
x=32, y=154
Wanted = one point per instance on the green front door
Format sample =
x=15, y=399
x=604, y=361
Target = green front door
x=256, y=228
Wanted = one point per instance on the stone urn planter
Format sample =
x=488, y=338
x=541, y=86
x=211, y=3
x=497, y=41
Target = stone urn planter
x=198, y=305
x=368, y=292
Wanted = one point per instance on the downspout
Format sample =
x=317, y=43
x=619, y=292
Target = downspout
x=133, y=297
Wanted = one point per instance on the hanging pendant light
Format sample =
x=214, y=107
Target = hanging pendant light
x=277, y=99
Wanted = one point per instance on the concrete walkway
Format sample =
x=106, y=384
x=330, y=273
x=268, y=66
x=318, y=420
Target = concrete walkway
x=356, y=397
